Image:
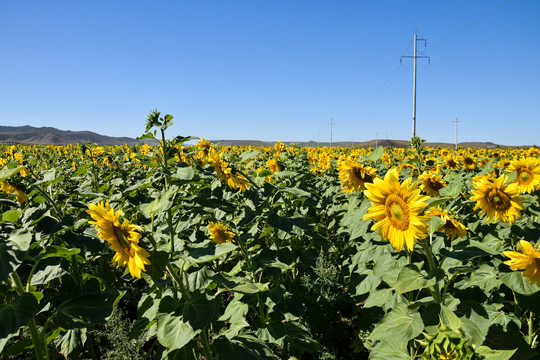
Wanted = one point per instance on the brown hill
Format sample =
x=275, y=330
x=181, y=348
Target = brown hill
x=49, y=135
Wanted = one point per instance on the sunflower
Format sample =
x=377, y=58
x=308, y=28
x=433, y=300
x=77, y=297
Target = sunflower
x=219, y=233
x=8, y=188
x=354, y=176
x=452, y=228
x=122, y=236
x=527, y=174
x=450, y=162
x=396, y=208
x=431, y=184
x=528, y=261
x=204, y=147
x=273, y=165
x=469, y=162
x=497, y=199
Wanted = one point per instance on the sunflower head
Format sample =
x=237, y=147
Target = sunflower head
x=219, y=233
x=396, y=208
x=122, y=236
x=354, y=176
x=527, y=174
x=497, y=200
x=431, y=184
x=452, y=227
x=528, y=259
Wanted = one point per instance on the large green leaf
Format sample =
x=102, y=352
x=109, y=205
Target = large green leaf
x=390, y=350
x=71, y=343
x=411, y=278
x=13, y=251
x=400, y=324
x=519, y=284
x=16, y=314
x=243, y=347
x=161, y=203
x=87, y=310
x=179, y=321
x=208, y=251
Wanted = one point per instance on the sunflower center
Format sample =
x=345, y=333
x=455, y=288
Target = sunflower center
x=397, y=212
x=122, y=238
x=524, y=177
x=435, y=185
x=498, y=199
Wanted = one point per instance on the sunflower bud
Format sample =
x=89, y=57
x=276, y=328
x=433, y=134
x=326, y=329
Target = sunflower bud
x=447, y=344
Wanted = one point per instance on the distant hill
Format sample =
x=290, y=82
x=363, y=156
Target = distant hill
x=369, y=143
x=49, y=135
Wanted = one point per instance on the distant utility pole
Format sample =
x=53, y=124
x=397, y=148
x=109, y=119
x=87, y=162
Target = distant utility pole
x=415, y=56
x=318, y=137
x=456, y=121
x=376, y=140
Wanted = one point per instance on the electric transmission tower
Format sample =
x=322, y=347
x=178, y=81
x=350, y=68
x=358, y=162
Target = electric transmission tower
x=456, y=121
x=415, y=56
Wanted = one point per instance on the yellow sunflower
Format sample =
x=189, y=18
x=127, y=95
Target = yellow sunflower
x=219, y=233
x=396, y=207
x=273, y=165
x=122, y=236
x=431, y=184
x=497, y=199
x=527, y=174
x=354, y=176
x=8, y=188
x=528, y=261
x=452, y=228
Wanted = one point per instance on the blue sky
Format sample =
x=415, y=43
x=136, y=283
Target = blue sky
x=275, y=70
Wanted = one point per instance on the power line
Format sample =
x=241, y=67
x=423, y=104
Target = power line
x=471, y=24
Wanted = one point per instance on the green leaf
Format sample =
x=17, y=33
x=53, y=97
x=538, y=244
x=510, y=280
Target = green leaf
x=47, y=274
x=11, y=216
x=453, y=189
x=489, y=354
x=6, y=174
x=296, y=191
x=13, y=251
x=161, y=203
x=435, y=223
x=17, y=314
x=179, y=321
x=87, y=310
x=450, y=319
x=57, y=251
x=376, y=154
x=411, y=278
x=184, y=173
x=519, y=284
x=400, y=324
x=207, y=251
x=244, y=347
x=379, y=297
x=71, y=343
x=390, y=350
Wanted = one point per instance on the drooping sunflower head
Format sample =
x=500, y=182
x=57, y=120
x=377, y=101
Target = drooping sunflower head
x=452, y=227
x=431, y=184
x=527, y=174
x=219, y=233
x=123, y=237
x=273, y=165
x=499, y=201
x=528, y=259
x=354, y=176
x=396, y=208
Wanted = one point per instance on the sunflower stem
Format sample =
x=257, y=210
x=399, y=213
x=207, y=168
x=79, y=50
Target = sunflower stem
x=36, y=339
x=178, y=279
x=531, y=328
x=206, y=346
x=429, y=255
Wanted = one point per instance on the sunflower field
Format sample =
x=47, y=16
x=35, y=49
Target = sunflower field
x=223, y=252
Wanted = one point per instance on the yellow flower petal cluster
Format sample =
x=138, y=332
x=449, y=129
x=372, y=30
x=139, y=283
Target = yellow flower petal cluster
x=225, y=173
x=499, y=201
x=396, y=208
x=354, y=176
x=528, y=260
x=527, y=174
x=8, y=188
x=219, y=233
x=452, y=228
x=431, y=184
x=122, y=236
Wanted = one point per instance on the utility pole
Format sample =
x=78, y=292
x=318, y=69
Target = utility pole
x=376, y=140
x=415, y=56
x=456, y=121
x=318, y=137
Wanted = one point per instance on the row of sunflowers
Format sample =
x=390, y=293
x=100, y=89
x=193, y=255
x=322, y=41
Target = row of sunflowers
x=177, y=251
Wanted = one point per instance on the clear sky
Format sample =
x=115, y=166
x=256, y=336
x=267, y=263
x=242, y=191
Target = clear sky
x=275, y=70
